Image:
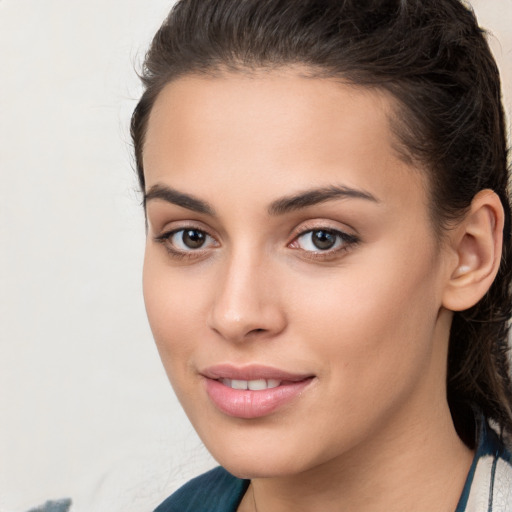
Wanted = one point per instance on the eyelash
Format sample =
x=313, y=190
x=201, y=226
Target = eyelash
x=347, y=241
x=165, y=240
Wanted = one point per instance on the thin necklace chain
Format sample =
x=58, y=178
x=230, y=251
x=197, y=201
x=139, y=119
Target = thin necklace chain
x=254, y=499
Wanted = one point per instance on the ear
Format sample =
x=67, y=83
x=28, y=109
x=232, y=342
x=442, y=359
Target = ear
x=477, y=242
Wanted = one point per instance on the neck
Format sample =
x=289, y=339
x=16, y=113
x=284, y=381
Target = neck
x=420, y=467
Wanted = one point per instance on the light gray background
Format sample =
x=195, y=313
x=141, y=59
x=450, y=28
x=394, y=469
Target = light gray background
x=85, y=407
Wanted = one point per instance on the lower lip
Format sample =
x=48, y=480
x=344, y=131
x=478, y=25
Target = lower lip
x=249, y=404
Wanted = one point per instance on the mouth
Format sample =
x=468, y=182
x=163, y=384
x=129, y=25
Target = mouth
x=253, y=385
x=253, y=391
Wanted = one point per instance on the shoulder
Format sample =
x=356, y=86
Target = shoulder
x=490, y=475
x=214, y=491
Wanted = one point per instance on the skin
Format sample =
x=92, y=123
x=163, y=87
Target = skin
x=372, y=432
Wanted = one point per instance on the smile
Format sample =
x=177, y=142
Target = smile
x=263, y=391
x=253, y=385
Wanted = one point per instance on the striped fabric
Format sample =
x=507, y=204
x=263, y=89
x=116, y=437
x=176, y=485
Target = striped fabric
x=489, y=484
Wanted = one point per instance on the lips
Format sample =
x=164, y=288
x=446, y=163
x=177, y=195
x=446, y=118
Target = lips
x=252, y=391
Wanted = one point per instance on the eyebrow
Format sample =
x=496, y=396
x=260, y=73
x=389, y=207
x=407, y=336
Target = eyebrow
x=316, y=196
x=178, y=198
x=281, y=206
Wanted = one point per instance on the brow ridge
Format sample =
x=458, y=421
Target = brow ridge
x=170, y=195
x=316, y=196
x=280, y=206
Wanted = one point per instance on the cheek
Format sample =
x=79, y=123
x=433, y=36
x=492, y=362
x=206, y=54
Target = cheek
x=174, y=310
x=374, y=323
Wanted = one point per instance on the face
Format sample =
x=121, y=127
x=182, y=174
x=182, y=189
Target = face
x=292, y=279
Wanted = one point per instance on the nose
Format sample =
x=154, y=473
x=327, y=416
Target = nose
x=246, y=304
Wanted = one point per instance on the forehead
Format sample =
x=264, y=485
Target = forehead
x=280, y=126
x=240, y=104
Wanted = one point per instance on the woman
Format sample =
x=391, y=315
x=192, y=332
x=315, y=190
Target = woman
x=327, y=269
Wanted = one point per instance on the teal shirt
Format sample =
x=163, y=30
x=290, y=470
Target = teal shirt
x=488, y=486
x=214, y=491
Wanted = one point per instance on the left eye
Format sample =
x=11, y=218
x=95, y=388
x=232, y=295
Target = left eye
x=321, y=240
x=189, y=239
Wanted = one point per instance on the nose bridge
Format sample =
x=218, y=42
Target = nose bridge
x=245, y=303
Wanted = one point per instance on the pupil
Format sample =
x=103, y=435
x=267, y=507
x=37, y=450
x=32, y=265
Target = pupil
x=323, y=239
x=193, y=239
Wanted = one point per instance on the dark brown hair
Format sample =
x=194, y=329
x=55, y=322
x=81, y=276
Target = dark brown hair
x=435, y=61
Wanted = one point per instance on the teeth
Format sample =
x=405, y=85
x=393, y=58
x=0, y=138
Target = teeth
x=257, y=385
x=253, y=385
x=239, y=384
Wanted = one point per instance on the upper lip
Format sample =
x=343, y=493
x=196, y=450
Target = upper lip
x=251, y=372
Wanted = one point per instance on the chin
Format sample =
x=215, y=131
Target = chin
x=260, y=454
x=258, y=466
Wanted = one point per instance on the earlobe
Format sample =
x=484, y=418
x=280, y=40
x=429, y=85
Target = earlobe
x=477, y=241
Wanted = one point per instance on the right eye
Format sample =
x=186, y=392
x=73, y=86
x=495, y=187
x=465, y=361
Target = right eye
x=187, y=240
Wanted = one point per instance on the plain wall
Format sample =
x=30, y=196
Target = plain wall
x=85, y=407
